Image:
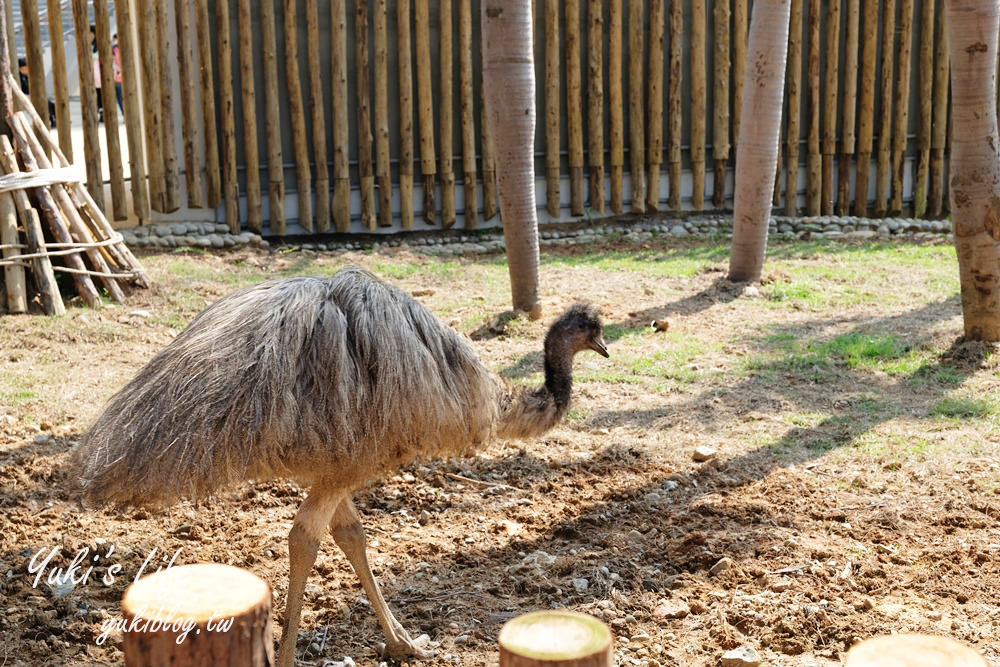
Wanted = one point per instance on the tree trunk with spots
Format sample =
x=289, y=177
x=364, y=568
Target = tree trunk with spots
x=509, y=82
x=760, y=123
x=975, y=162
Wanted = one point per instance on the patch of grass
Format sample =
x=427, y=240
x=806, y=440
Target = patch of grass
x=857, y=350
x=963, y=407
x=671, y=262
x=801, y=293
x=19, y=391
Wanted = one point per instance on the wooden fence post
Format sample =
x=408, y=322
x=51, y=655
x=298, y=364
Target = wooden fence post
x=318, y=109
x=552, y=99
x=595, y=99
x=171, y=179
x=272, y=117
x=830, y=104
x=698, y=101
x=88, y=102
x=720, y=124
x=556, y=638
x=102, y=24
x=189, y=107
x=297, y=114
x=849, y=111
x=425, y=98
x=615, y=116
x=794, y=107
x=674, y=127
x=248, y=96
x=60, y=84
x=574, y=107
x=206, y=80
x=654, y=108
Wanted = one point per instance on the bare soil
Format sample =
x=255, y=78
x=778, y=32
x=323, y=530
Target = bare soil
x=844, y=500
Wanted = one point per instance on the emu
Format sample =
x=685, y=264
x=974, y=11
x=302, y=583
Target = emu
x=328, y=381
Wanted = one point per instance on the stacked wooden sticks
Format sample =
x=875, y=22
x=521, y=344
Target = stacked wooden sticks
x=38, y=192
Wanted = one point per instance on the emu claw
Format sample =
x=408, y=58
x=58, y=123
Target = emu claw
x=407, y=648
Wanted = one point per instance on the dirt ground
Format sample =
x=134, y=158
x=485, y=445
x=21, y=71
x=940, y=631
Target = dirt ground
x=852, y=491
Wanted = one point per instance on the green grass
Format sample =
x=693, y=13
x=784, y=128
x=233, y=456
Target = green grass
x=671, y=262
x=963, y=408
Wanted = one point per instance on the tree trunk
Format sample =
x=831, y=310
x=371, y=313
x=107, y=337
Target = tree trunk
x=509, y=82
x=760, y=123
x=975, y=164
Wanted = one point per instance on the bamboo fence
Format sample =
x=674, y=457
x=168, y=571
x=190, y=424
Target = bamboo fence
x=299, y=116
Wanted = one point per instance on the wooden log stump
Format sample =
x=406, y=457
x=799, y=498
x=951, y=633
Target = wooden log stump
x=913, y=650
x=556, y=639
x=223, y=613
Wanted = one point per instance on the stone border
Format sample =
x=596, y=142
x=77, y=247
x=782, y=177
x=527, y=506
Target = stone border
x=216, y=235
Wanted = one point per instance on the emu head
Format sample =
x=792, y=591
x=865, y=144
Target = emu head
x=579, y=328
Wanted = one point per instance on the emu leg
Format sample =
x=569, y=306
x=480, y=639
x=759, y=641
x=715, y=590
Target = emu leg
x=350, y=537
x=303, y=543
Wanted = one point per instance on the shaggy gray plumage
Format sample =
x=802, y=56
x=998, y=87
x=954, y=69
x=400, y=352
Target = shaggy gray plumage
x=336, y=379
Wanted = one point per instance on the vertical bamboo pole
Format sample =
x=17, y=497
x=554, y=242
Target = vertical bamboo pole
x=574, y=107
x=885, y=109
x=940, y=121
x=425, y=102
x=338, y=67
x=102, y=25
x=206, y=81
x=926, y=97
x=125, y=19
x=272, y=120
x=902, y=102
x=794, y=107
x=403, y=47
x=866, y=105
x=318, y=113
x=595, y=100
x=468, y=112
x=31, y=27
x=230, y=186
x=446, y=111
x=248, y=99
x=489, y=164
x=674, y=123
x=59, y=83
x=615, y=115
x=171, y=179
x=13, y=274
x=189, y=107
x=88, y=102
x=636, y=109
x=813, y=158
x=740, y=26
x=830, y=103
x=849, y=111
x=297, y=113
x=552, y=99
x=698, y=94
x=8, y=8
x=655, y=105
x=720, y=126
x=382, y=167
x=365, y=166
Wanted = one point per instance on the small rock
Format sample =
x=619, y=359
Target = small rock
x=581, y=585
x=141, y=313
x=61, y=589
x=678, y=230
x=743, y=656
x=864, y=604
x=751, y=292
x=723, y=565
x=934, y=615
x=703, y=453
x=781, y=586
x=671, y=609
x=697, y=607
x=461, y=639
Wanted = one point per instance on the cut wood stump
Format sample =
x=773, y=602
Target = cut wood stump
x=556, y=639
x=203, y=614
x=913, y=650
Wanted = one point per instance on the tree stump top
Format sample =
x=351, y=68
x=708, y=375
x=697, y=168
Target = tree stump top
x=555, y=636
x=197, y=592
x=913, y=650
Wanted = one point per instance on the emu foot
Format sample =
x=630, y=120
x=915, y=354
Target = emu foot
x=405, y=648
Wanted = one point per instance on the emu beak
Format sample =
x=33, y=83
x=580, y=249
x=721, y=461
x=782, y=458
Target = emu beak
x=597, y=345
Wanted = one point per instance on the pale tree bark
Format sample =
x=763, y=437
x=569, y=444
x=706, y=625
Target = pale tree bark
x=509, y=83
x=760, y=123
x=975, y=162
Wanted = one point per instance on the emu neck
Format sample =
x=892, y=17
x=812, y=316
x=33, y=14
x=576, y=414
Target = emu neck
x=530, y=413
x=558, y=373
